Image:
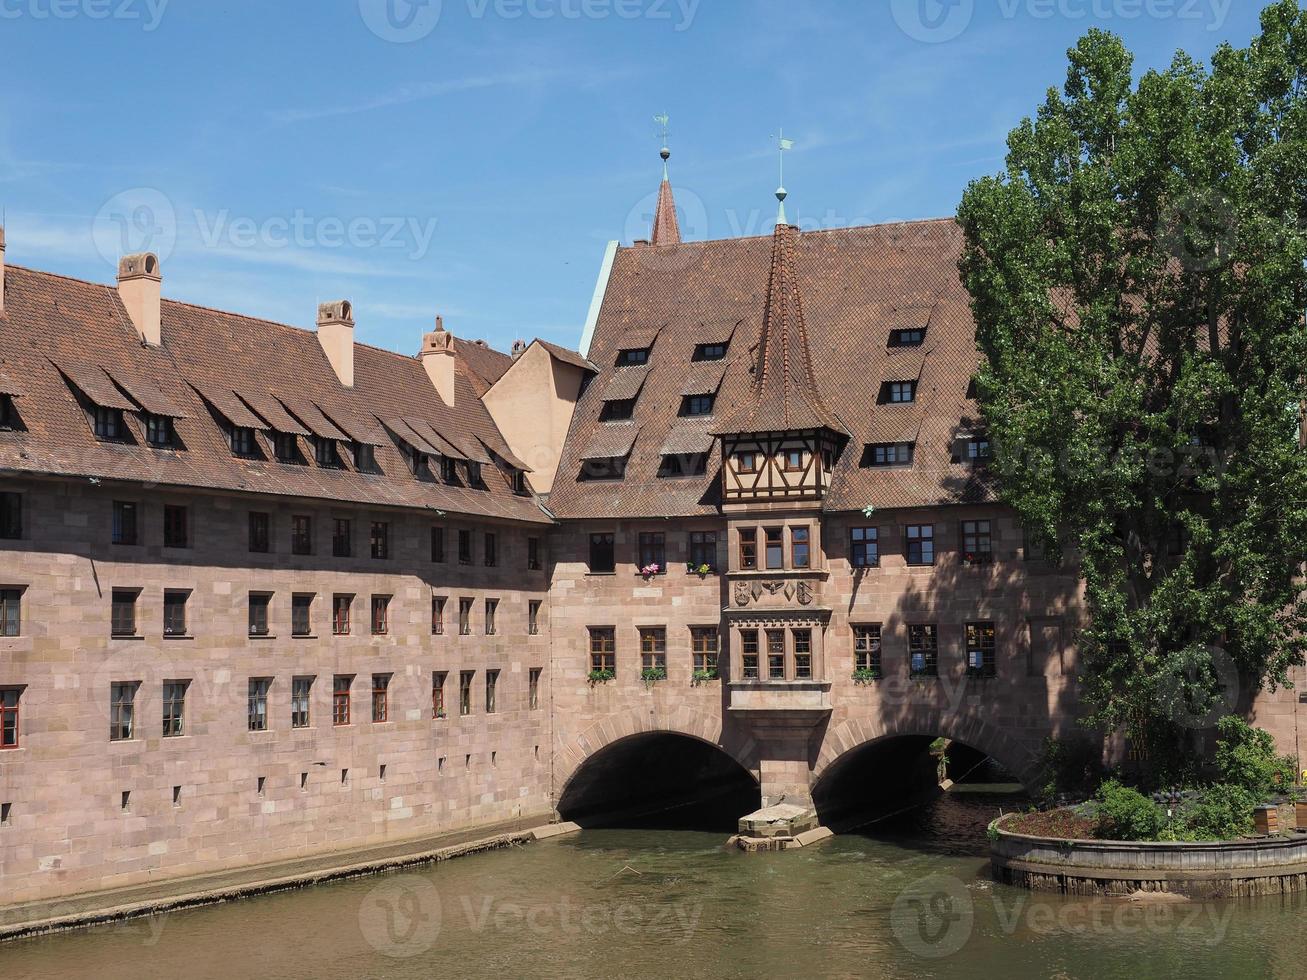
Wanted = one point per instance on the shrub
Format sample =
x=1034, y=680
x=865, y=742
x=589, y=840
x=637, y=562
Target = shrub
x=1245, y=757
x=1126, y=814
x=1220, y=812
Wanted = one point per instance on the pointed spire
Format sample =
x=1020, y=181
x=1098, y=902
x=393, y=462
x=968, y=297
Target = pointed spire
x=785, y=394
x=666, y=229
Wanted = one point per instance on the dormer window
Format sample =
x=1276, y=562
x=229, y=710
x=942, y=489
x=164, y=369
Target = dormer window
x=473, y=473
x=517, y=479
x=618, y=410
x=286, y=447
x=683, y=464
x=710, y=352
x=899, y=392
x=697, y=405
x=159, y=431
x=8, y=415
x=108, y=423
x=910, y=337
x=365, y=457
x=448, y=471
x=416, y=460
x=326, y=453
x=242, y=441
x=633, y=357
x=889, y=454
x=978, y=451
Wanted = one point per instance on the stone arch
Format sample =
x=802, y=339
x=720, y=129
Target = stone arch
x=855, y=734
x=574, y=751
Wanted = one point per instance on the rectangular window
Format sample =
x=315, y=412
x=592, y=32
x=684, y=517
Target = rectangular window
x=533, y=689
x=978, y=451
x=464, y=617
x=603, y=560
x=803, y=655
x=633, y=357
x=8, y=414
x=286, y=447
x=923, y=651
x=981, y=661
x=438, y=545
x=653, y=649
x=703, y=549
x=301, y=689
x=492, y=683
x=259, y=602
x=174, y=613
x=748, y=548
x=242, y=441
x=108, y=423
x=703, y=647
x=800, y=547
x=158, y=431
x=380, y=539
x=301, y=615
x=174, y=708
x=866, y=651
x=693, y=406
x=533, y=554
x=11, y=604
x=533, y=617
x=340, y=688
x=492, y=607
x=342, y=538
x=327, y=453
x=653, y=551
x=258, y=703
x=977, y=543
x=793, y=460
x=617, y=410
x=900, y=392
x=126, y=522
x=380, y=614
x=380, y=697
x=260, y=532
x=11, y=515
x=123, y=618
x=448, y=471
x=775, y=540
x=776, y=655
x=464, y=547
x=437, y=615
x=709, y=352
x=910, y=337
x=603, y=650
x=438, y=693
x=749, y=653
x=365, y=457
x=301, y=535
x=889, y=454
x=341, y=606
x=9, y=730
x=864, y=547
x=919, y=544
x=122, y=710
x=176, y=527
x=490, y=555
x=746, y=462
x=465, y=692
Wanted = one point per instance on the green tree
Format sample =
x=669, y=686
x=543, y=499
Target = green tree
x=1138, y=285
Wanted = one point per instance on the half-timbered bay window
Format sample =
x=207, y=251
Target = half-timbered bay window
x=746, y=462
x=923, y=651
x=749, y=654
x=866, y=652
x=919, y=544
x=603, y=651
x=977, y=544
x=704, y=649
x=864, y=547
x=653, y=652
x=981, y=650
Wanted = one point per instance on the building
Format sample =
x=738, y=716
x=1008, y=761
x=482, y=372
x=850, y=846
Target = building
x=270, y=593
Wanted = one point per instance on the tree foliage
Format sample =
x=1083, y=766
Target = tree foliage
x=1138, y=284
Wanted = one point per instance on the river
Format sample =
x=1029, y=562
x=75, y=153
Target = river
x=914, y=900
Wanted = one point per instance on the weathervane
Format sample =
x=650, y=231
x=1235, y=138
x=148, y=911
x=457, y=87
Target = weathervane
x=782, y=144
x=662, y=119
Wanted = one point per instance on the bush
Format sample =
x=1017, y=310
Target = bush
x=1126, y=814
x=1220, y=812
x=1245, y=757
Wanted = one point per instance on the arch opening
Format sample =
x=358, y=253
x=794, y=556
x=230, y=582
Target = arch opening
x=660, y=780
x=892, y=775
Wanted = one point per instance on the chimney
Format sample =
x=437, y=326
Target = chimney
x=2, y=268
x=437, y=356
x=336, y=335
x=138, y=287
x=519, y=348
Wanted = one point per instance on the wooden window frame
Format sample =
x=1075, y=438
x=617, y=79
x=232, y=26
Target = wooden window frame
x=301, y=534
x=11, y=732
x=603, y=649
x=341, y=689
x=301, y=702
x=750, y=655
x=981, y=650
x=748, y=544
x=174, y=708
x=380, y=623
x=921, y=540
x=379, y=540
x=801, y=545
x=653, y=648
x=705, y=649
x=774, y=537
x=260, y=532
x=380, y=698
x=868, y=649
x=342, y=605
x=923, y=639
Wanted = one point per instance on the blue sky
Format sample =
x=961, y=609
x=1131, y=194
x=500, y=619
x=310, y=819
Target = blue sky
x=473, y=157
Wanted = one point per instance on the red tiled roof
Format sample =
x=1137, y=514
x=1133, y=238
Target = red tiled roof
x=857, y=285
x=50, y=319
x=567, y=356
x=666, y=229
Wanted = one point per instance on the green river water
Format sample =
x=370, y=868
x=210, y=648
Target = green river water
x=913, y=901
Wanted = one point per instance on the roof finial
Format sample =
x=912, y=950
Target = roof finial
x=662, y=119
x=666, y=228
x=783, y=144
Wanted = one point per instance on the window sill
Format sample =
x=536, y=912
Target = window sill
x=126, y=636
x=612, y=574
x=304, y=636
x=179, y=636
x=781, y=573
x=262, y=636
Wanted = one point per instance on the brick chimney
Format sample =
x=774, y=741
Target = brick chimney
x=437, y=356
x=336, y=335
x=139, y=281
x=2, y=268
